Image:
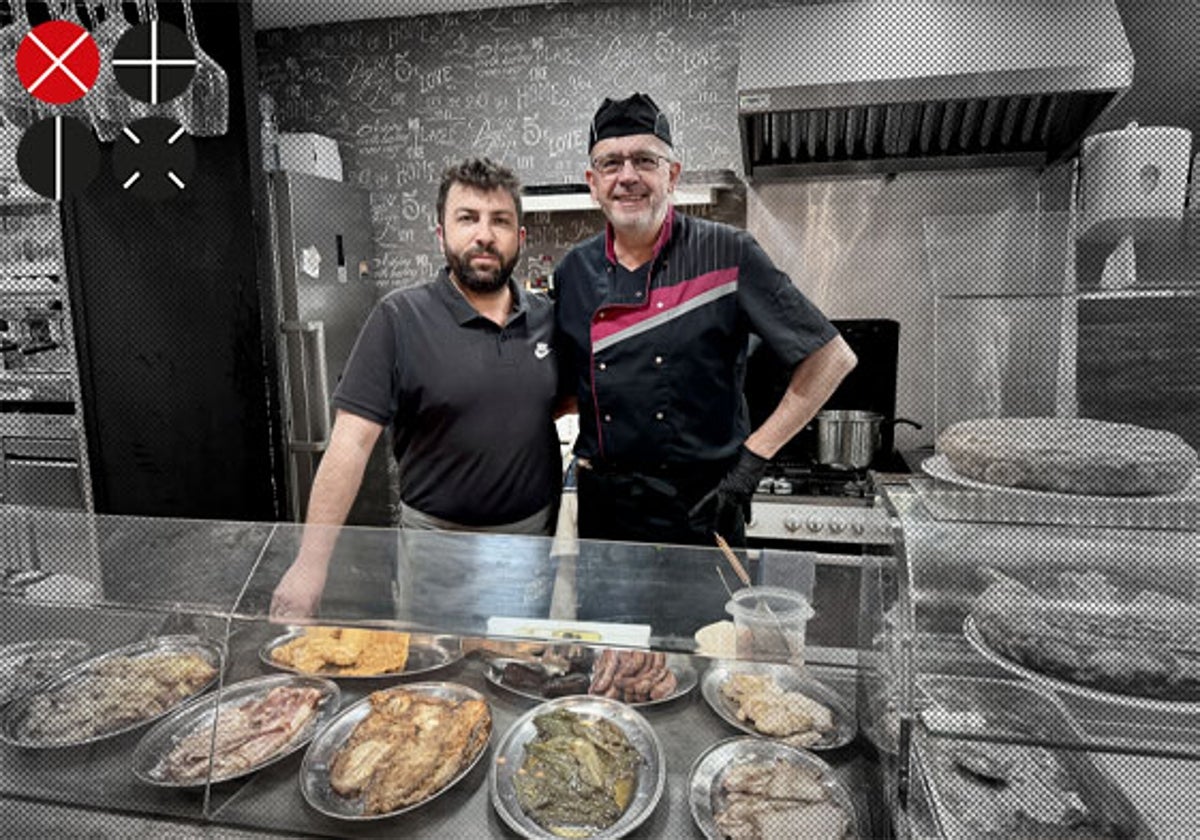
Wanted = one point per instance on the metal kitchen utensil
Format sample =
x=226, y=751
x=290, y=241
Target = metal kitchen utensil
x=8, y=82
x=65, y=10
x=20, y=107
x=110, y=108
x=176, y=107
x=850, y=439
x=724, y=582
x=206, y=110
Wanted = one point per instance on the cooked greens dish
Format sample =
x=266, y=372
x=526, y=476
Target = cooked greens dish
x=579, y=774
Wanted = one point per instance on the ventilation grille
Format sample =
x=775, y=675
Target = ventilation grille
x=957, y=133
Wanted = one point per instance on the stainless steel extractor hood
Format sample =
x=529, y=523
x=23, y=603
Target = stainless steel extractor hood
x=893, y=85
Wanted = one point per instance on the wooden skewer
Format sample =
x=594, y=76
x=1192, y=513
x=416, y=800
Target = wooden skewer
x=738, y=568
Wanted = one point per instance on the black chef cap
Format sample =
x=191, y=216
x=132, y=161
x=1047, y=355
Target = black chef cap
x=621, y=117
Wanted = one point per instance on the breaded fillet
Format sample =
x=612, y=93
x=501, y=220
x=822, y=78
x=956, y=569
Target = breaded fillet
x=348, y=651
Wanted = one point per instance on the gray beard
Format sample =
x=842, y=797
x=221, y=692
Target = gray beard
x=643, y=226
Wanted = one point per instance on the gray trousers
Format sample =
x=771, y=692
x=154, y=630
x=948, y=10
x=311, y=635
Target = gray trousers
x=538, y=524
x=506, y=570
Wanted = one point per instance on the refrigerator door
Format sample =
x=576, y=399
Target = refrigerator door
x=324, y=293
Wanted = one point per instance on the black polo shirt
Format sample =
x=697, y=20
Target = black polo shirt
x=657, y=355
x=470, y=402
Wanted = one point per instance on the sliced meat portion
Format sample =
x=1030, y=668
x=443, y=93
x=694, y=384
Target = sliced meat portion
x=765, y=800
x=246, y=735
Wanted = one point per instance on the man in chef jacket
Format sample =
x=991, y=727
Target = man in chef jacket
x=654, y=316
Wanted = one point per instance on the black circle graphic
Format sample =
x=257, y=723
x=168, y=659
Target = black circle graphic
x=153, y=158
x=154, y=62
x=58, y=156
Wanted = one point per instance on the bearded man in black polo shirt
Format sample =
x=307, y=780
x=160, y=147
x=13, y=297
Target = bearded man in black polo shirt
x=463, y=370
x=654, y=316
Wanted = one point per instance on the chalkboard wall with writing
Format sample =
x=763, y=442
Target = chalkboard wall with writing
x=405, y=97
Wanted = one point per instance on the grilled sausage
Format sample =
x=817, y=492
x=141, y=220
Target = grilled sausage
x=626, y=681
x=634, y=661
x=605, y=670
x=648, y=678
x=664, y=686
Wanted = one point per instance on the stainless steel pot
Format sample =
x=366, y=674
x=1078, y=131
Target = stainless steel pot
x=850, y=439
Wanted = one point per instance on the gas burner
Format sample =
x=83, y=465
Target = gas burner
x=789, y=478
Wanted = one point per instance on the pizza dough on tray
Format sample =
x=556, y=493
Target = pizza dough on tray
x=1083, y=629
x=1069, y=455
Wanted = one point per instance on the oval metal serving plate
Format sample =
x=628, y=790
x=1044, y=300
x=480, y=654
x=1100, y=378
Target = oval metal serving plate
x=426, y=652
x=13, y=716
x=685, y=676
x=314, y=770
x=972, y=500
x=510, y=755
x=1046, y=681
x=707, y=799
x=789, y=678
x=26, y=665
x=157, y=744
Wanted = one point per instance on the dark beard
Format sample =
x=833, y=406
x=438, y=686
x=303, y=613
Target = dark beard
x=461, y=270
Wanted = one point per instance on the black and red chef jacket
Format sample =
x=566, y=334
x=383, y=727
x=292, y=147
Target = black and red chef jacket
x=657, y=355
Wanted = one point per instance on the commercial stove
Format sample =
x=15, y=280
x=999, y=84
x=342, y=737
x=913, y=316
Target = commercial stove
x=800, y=500
x=803, y=502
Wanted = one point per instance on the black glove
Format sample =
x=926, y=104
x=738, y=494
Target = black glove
x=735, y=489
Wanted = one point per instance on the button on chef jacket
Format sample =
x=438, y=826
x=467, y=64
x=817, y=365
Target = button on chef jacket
x=657, y=355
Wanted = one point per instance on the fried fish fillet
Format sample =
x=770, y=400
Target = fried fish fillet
x=349, y=651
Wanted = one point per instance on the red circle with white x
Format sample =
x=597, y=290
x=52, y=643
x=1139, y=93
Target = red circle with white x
x=58, y=62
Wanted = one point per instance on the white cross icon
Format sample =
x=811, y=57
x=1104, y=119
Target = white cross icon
x=58, y=62
x=154, y=62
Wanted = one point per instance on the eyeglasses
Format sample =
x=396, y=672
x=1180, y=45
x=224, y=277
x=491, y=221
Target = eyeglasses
x=610, y=165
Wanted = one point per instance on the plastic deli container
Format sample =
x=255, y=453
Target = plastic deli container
x=769, y=623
